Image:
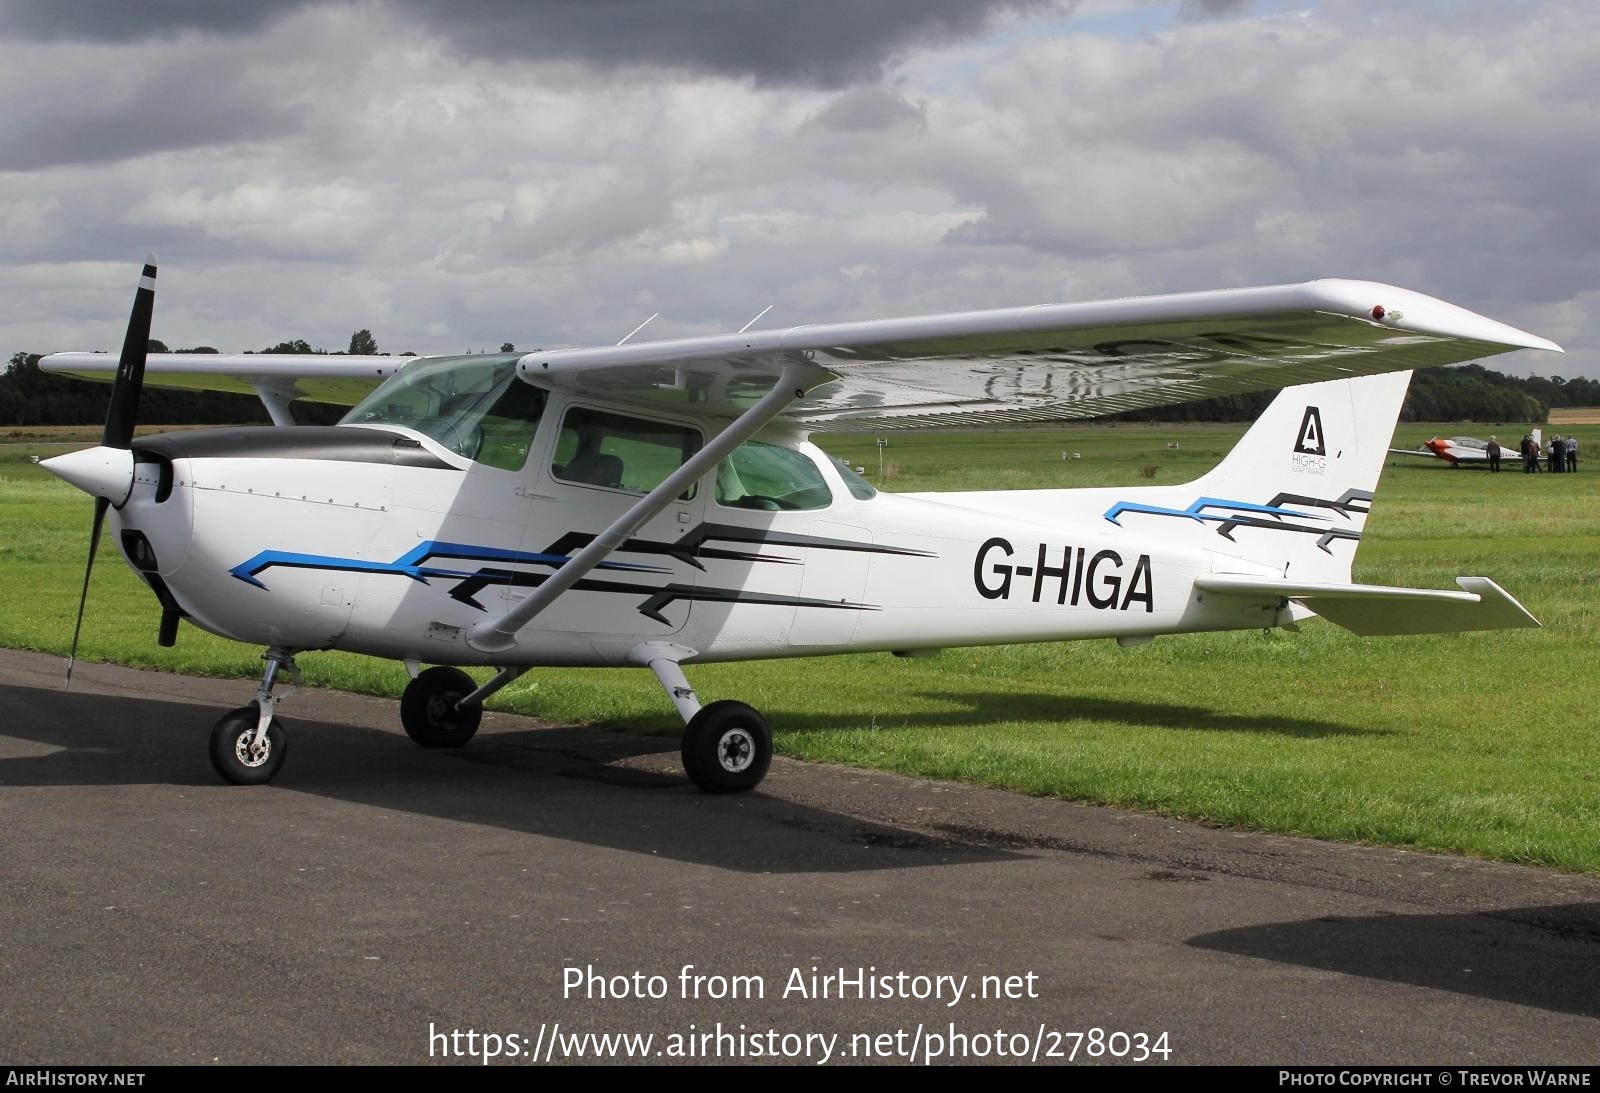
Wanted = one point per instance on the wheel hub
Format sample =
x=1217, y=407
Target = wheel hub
x=736, y=750
x=248, y=752
x=442, y=709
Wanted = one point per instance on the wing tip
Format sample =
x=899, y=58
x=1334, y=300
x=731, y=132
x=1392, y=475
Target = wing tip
x=1410, y=311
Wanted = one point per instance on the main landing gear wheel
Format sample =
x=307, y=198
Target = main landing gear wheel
x=235, y=754
x=727, y=748
x=429, y=712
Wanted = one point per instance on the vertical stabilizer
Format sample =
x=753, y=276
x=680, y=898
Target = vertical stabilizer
x=1290, y=500
x=1302, y=479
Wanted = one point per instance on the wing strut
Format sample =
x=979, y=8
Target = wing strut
x=276, y=399
x=498, y=635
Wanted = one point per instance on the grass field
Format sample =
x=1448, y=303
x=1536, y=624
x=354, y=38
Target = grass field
x=1482, y=744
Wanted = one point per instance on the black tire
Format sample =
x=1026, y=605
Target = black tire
x=727, y=748
x=230, y=748
x=428, y=708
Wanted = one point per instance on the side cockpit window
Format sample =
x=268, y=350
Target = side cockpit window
x=620, y=452
x=770, y=478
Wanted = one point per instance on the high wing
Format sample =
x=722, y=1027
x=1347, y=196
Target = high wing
x=1050, y=362
x=276, y=378
x=1044, y=363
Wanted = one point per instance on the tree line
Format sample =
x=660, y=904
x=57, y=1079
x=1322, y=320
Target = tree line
x=31, y=396
x=1466, y=392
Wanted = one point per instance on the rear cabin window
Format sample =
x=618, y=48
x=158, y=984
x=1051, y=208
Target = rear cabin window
x=859, y=487
x=620, y=453
x=769, y=478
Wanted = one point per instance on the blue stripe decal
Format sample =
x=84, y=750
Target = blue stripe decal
x=410, y=564
x=1197, y=513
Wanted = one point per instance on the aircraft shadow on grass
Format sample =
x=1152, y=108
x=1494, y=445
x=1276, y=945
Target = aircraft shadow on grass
x=1529, y=956
x=981, y=708
x=562, y=784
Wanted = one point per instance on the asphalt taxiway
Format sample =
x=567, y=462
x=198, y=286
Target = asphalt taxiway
x=376, y=892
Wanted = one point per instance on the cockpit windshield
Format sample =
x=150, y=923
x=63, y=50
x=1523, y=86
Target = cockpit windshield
x=473, y=405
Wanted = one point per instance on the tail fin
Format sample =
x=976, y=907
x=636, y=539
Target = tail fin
x=1290, y=500
x=1302, y=478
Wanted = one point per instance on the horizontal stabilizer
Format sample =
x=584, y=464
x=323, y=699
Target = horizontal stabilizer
x=1372, y=610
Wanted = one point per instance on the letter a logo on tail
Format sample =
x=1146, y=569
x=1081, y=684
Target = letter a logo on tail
x=1310, y=442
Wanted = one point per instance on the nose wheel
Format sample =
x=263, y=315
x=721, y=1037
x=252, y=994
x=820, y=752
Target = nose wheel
x=248, y=745
x=243, y=756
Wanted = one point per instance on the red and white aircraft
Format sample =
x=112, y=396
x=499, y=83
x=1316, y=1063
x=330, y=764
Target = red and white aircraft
x=1468, y=450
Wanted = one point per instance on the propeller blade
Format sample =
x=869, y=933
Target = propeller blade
x=121, y=417
x=123, y=412
x=100, y=506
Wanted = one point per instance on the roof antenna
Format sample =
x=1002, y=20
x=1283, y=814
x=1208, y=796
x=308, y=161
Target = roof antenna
x=640, y=327
x=754, y=321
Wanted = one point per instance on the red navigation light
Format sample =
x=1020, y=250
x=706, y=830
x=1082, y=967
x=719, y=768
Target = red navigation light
x=1377, y=311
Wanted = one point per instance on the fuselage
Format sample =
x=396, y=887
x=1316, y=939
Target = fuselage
x=382, y=540
x=1467, y=450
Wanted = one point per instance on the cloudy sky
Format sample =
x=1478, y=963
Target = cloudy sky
x=456, y=173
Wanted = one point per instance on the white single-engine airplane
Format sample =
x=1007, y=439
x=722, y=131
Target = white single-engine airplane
x=658, y=504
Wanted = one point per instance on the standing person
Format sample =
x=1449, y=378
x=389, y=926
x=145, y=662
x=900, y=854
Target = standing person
x=1572, y=453
x=1492, y=450
x=1530, y=455
x=1558, y=454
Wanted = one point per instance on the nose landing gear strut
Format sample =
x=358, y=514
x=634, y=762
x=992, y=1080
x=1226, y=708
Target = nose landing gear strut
x=248, y=745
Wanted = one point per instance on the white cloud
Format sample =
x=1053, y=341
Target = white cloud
x=319, y=219
x=346, y=166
